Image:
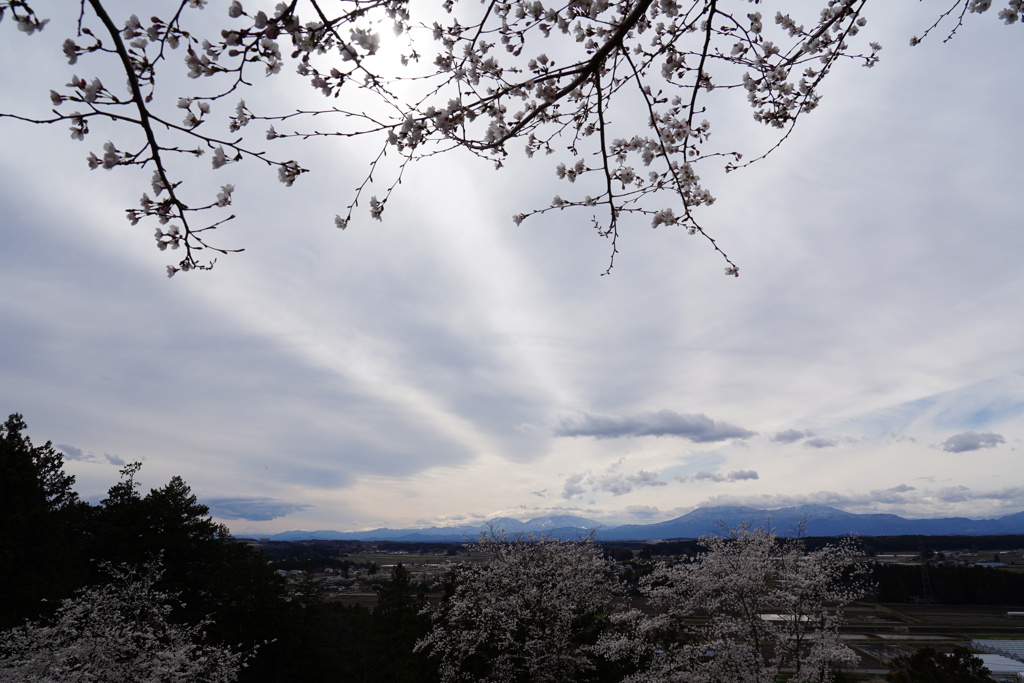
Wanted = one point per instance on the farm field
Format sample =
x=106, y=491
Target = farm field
x=880, y=632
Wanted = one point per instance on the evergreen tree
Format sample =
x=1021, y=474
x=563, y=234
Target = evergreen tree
x=930, y=666
x=380, y=646
x=52, y=544
x=216, y=578
x=41, y=520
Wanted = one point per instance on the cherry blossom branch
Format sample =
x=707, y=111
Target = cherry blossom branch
x=583, y=73
x=681, y=190
x=486, y=82
x=612, y=229
x=165, y=183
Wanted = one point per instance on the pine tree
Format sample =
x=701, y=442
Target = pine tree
x=41, y=523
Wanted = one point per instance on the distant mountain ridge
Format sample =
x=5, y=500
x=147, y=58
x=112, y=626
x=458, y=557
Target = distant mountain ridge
x=817, y=520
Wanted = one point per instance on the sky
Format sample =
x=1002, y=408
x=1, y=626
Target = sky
x=445, y=366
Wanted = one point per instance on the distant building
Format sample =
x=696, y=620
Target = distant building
x=1003, y=658
x=1012, y=649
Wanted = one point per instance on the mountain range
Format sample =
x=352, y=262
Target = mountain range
x=818, y=520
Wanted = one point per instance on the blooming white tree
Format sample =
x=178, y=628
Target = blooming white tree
x=531, y=611
x=620, y=92
x=750, y=608
x=118, y=632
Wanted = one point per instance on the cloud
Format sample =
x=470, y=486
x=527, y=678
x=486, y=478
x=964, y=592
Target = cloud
x=973, y=406
x=575, y=484
x=971, y=441
x=820, y=442
x=73, y=453
x=791, y=435
x=698, y=428
x=253, y=509
x=955, y=494
x=452, y=520
x=894, y=495
x=642, y=511
x=611, y=481
x=737, y=475
x=619, y=484
x=900, y=499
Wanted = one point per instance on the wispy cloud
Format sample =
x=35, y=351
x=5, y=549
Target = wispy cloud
x=642, y=511
x=619, y=484
x=981, y=405
x=791, y=435
x=737, y=475
x=575, y=485
x=616, y=482
x=971, y=441
x=612, y=481
x=698, y=428
x=901, y=499
x=820, y=442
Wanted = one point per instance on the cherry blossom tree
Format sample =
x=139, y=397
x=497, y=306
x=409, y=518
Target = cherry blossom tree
x=620, y=93
x=531, y=611
x=748, y=609
x=118, y=632
x=752, y=606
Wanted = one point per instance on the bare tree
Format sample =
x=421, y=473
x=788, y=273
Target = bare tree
x=620, y=92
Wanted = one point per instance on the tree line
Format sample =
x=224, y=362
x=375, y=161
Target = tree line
x=949, y=585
